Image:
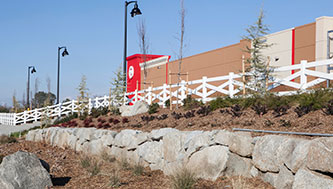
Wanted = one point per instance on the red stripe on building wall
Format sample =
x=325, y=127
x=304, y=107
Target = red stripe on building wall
x=293, y=50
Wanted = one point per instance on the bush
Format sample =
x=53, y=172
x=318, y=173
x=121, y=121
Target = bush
x=221, y=103
x=204, y=110
x=85, y=162
x=99, y=111
x=260, y=109
x=6, y=139
x=167, y=103
x=153, y=108
x=138, y=169
x=328, y=109
x=183, y=179
x=65, y=119
x=4, y=109
x=191, y=103
x=313, y=101
x=91, y=165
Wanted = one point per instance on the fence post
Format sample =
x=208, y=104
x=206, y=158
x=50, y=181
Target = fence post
x=73, y=104
x=231, y=84
x=36, y=115
x=164, y=94
x=149, y=95
x=204, y=89
x=25, y=117
x=90, y=105
x=14, y=118
x=59, y=106
x=303, y=76
x=183, y=91
x=136, y=95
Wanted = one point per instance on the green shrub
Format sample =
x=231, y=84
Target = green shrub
x=138, y=169
x=191, y=103
x=315, y=100
x=23, y=133
x=167, y=103
x=153, y=108
x=94, y=169
x=86, y=162
x=221, y=103
x=183, y=179
x=65, y=119
x=96, y=112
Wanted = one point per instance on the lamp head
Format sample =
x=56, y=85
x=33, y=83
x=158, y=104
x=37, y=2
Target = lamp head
x=33, y=70
x=135, y=11
x=65, y=52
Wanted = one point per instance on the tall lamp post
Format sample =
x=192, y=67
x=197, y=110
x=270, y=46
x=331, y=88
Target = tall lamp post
x=28, y=88
x=64, y=53
x=135, y=11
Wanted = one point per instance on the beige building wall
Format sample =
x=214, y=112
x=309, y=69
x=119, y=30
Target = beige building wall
x=213, y=63
x=280, y=51
x=323, y=24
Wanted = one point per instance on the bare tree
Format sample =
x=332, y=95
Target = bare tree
x=144, y=46
x=23, y=100
x=181, y=40
x=48, y=83
x=15, y=103
x=36, y=91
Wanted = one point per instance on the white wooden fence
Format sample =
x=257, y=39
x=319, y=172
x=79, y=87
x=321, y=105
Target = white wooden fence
x=205, y=89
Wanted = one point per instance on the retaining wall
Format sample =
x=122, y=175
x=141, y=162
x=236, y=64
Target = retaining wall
x=283, y=161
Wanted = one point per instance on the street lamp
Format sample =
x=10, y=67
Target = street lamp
x=64, y=53
x=28, y=89
x=135, y=11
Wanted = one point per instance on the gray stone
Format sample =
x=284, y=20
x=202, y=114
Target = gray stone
x=238, y=166
x=23, y=170
x=197, y=142
x=223, y=137
x=265, y=153
x=306, y=179
x=254, y=171
x=173, y=147
x=209, y=162
x=130, y=139
x=152, y=153
x=241, y=144
x=269, y=177
x=297, y=158
x=139, y=107
x=158, y=134
x=284, y=179
x=320, y=155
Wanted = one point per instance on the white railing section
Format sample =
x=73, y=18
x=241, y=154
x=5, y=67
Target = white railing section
x=205, y=89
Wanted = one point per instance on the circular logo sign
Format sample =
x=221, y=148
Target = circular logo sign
x=131, y=72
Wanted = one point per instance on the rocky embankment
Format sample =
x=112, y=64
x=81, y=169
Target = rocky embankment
x=283, y=161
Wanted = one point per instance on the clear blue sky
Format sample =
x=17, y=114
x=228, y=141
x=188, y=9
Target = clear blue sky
x=92, y=30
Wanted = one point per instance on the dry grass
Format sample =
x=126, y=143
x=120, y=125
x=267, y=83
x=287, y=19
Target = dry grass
x=183, y=179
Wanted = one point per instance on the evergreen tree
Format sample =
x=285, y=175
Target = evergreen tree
x=118, y=88
x=83, y=95
x=257, y=64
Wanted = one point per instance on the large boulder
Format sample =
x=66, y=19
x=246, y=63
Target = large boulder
x=139, y=107
x=296, y=159
x=197, y=142
x=130, y=139
x=152, y=153
x=272, y=151
x=238, y=166
x=173, y=147
x=23, y=170
x=284, y=179
x=209, y=162
x=157, y=134
x=241, y=144
x=320, y=155
x=306, y=179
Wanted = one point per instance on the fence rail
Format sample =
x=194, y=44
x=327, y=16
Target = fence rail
x=205, y=89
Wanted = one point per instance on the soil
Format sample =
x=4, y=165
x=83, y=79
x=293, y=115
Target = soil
x=67, y=171
x=313, y=122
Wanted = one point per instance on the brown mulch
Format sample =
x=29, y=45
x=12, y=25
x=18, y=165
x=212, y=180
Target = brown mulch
x=67, y=171
x=313, y=122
